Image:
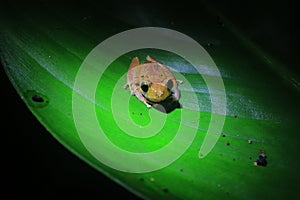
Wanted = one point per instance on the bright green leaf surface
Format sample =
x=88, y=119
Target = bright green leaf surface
x=42, y=50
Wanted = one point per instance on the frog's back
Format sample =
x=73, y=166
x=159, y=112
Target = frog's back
x=148, y=72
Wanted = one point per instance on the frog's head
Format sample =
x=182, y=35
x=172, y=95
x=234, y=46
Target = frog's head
x=156, y=92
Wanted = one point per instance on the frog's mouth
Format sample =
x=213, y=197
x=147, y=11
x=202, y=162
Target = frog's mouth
x=157, y=100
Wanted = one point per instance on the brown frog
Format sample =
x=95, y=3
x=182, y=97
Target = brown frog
x=151, y=82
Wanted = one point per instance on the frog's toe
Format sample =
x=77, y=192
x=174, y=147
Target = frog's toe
x=125, y=86
x=148, y=105
x=179, y=81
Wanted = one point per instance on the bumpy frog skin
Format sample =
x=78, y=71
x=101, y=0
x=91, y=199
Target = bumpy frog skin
x=151, y=82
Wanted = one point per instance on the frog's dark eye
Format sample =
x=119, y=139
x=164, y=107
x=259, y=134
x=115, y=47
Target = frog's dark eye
x=169, y=84
x=144, y=87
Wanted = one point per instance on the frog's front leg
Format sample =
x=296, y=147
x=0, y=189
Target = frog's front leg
x=179, y=81
x=125, y=86
x=141, y=98
x=176, y=94
x=131, y=89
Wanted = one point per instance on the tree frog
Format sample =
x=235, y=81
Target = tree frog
x=151, y=82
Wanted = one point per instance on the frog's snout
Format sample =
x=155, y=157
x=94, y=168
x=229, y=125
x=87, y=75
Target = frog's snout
x=158, y=92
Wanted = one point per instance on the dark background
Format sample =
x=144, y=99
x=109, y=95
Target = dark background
x=37, y=166
x=272, y=25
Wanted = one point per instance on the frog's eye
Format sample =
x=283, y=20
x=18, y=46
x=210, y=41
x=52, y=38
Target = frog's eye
x=145, y=87
x=169, y=84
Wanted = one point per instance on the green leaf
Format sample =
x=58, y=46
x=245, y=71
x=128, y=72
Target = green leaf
x=42, y=49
